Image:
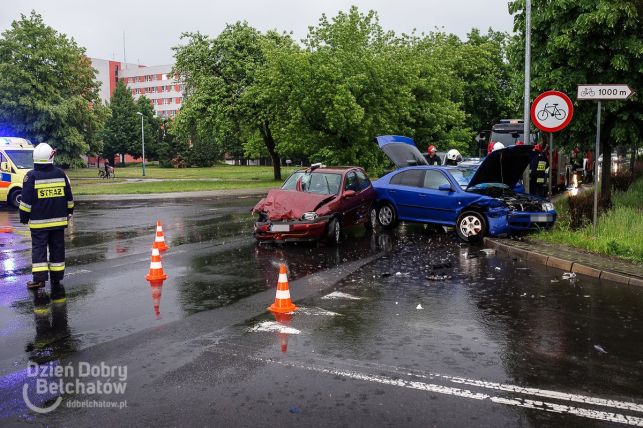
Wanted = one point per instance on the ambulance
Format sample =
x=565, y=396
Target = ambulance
x=16, y=158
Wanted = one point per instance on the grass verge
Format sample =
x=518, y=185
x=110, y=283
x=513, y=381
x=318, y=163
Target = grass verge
x=619, y=231
x=129, y=188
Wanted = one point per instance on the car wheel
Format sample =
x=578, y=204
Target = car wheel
x=335, y=231
x=14, y=198
x=470, y=225
x=386, y=216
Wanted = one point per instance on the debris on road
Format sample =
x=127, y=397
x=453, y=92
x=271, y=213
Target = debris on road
x=294, y=410
x=600, y=349
x=569, y=275
x=340, y=295
x=438, y=277
x=419, y=306
x=497, y=268
x=488, y=251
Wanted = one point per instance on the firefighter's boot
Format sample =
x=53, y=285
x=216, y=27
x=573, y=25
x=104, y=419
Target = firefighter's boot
x=58, y=294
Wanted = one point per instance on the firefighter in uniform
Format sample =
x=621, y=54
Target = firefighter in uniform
x=47, y=205
x=433, y=158
x=538, y=177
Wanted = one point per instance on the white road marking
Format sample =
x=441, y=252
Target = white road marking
x=315, y=312
x=510, y=401
x=272, y=327
x=340, y=295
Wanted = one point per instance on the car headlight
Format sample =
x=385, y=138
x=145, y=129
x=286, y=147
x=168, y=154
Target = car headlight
x=309, y=216
x=548, y=206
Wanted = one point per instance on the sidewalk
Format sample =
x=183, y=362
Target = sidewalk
x=218, y=194
x=571, y=260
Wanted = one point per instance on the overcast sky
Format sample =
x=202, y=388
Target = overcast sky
x=153, y=27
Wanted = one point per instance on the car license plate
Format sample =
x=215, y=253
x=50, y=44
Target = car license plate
x=540, y=217
x=280, y=228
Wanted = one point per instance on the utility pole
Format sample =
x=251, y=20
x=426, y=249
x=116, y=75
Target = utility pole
x=527, y=91
x=142, y=142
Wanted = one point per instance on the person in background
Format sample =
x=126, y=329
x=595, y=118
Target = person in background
x=433, y=158
x=453, y=158
x=538, y=175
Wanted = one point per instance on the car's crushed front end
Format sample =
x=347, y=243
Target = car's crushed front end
x=291, y=215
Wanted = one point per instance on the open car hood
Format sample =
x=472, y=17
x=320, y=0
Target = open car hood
x=503, y=166
x=400, y=150
x=290, y=204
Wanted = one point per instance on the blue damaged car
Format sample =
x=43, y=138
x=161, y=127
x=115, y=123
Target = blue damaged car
x=477, y=200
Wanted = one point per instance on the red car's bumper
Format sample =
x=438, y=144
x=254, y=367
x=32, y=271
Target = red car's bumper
x=291, y=231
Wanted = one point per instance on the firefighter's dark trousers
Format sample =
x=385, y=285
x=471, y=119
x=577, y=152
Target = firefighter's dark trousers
x=53, y=267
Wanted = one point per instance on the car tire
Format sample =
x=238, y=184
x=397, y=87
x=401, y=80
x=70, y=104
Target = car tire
x=14, y=198
x=334, y=234
x=386, y=216
x=470, y=225
x=371, y=221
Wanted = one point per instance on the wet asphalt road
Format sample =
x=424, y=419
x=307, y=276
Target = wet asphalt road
x=382, y=337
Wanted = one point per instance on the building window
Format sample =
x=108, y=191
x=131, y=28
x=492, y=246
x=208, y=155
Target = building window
x=164, y=76
x=168, y=88
x=178, y=100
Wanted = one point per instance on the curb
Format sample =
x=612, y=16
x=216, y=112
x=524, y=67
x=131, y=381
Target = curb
x=218, y=194
x=562, y=264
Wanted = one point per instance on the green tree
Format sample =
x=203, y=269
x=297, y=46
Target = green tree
x=151, y=127
x=587, y=41
x=48, y=89
x=122, y=130
x=217, y=73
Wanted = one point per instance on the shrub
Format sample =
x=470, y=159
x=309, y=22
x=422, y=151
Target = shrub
x=621, y=181
x=581, y=208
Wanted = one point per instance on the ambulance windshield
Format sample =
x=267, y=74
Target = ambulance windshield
x=22, y=159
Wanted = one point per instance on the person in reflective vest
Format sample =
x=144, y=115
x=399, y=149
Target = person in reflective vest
x=539, y=170
x=47, y=205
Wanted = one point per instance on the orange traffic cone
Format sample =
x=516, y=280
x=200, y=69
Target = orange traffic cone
x=156, y=268
x=282, y=303
x=157, y=289
x=159, y=241
x=283, y=337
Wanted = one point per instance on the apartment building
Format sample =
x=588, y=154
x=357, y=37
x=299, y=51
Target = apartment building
x=157, y=83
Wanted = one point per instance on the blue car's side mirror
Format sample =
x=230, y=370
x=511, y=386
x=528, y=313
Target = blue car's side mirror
x=445, y=187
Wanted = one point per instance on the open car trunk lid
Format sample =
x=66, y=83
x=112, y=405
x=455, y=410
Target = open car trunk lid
x=400, y=150
x=290, y=204
x=503, y=166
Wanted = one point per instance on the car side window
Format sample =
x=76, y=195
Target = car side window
x=364, y=182
x=351, y=182
x=411, y=177
x=434, y=179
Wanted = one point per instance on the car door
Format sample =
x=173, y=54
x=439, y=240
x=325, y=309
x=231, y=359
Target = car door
x=404, y=189
x=350, y=204
x=366, y=195
x=441, y=206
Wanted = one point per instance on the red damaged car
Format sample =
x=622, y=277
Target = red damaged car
x=315, y=203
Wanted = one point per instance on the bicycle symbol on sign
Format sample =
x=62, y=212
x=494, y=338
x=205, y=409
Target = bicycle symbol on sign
x=587, y=92
x=552, y=110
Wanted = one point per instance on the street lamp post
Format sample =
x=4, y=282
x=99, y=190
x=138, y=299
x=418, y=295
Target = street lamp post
x=142, y=142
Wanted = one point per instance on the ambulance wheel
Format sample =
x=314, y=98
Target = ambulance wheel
x=15, y=197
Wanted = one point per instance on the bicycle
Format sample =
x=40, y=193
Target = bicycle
x=106, y=174
x=587, y=92
x=552, y=110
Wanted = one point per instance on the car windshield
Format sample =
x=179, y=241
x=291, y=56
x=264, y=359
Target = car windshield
x=321, y=183
x=462, y=175
x=291, y=183
x=507, y=138
x=22, y=159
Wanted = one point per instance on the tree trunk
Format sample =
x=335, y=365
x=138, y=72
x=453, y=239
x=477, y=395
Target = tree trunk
x=633, y=160
x=606, y=170
x=270, y=145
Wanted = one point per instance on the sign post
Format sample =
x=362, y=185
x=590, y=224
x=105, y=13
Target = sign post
x=600, y=92
x=551, y=111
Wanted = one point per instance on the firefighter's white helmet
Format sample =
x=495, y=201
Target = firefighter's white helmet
x=498, y=146
x=43, y=153
x=454, y=155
